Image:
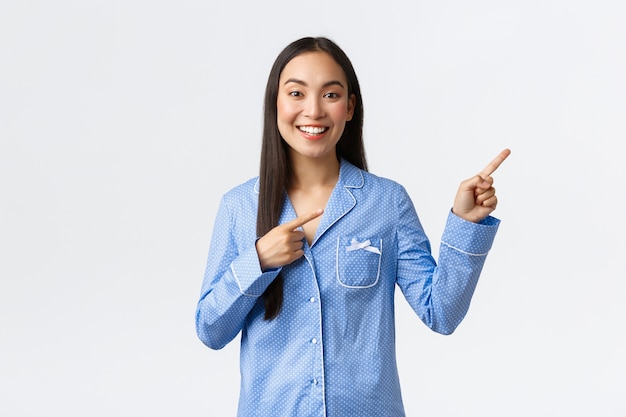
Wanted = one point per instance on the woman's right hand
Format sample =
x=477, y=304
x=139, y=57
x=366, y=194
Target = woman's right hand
x=283, y=244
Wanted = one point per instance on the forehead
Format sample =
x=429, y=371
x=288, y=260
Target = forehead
x=312, y=67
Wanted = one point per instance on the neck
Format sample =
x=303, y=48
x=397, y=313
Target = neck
x=314, y=172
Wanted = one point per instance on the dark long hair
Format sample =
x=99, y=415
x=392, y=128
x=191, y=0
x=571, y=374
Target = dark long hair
x=275, y=172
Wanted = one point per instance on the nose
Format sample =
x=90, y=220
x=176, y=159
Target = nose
x=314, y=108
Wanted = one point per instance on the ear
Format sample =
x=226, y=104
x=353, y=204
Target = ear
x=351, y=105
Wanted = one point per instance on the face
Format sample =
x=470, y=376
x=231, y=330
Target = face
x=313, y=105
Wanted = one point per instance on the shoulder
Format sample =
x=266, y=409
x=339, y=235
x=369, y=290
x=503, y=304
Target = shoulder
x=382, y=182
x=242, y=193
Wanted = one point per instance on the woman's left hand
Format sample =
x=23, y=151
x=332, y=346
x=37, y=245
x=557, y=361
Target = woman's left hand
x=476, y=197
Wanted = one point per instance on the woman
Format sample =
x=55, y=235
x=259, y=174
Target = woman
x=304, y=259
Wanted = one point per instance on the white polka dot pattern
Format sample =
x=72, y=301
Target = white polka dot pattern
x=331, y=350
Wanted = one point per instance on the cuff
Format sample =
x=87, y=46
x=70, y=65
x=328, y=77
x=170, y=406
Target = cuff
x=472, y=238
x=247, y=272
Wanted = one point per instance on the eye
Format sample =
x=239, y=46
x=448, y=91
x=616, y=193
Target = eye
x=295, y=93
x=331, y=95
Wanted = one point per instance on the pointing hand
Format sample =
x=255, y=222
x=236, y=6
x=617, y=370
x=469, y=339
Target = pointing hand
x=476, y=197
x=283, y=244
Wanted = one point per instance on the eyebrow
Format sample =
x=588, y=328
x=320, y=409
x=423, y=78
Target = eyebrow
x=326, y=84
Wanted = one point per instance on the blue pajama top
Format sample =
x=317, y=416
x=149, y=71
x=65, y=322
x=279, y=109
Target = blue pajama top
x=331, y=350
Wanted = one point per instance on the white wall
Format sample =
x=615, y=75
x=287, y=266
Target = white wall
x=123, y=122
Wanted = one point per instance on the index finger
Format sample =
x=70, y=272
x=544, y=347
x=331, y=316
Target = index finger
x=493, y=165
x=304, y=219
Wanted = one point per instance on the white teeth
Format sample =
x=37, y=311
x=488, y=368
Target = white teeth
x=312, y=130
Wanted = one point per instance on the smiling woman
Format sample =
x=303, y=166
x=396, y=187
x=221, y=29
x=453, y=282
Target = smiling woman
x=313, y=106
x=304, y=259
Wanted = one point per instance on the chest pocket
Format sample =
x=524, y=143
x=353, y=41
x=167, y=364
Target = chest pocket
x=358, y=261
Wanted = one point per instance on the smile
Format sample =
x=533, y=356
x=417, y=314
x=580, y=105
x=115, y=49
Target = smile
x=312, y=130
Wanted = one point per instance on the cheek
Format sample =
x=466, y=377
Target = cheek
x=340, y=112
x=284, y=109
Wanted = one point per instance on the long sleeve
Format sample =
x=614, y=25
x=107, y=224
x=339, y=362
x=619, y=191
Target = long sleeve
x=440, y=292
x=232, y=282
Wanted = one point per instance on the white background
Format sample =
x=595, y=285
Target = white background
x=123, y=122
